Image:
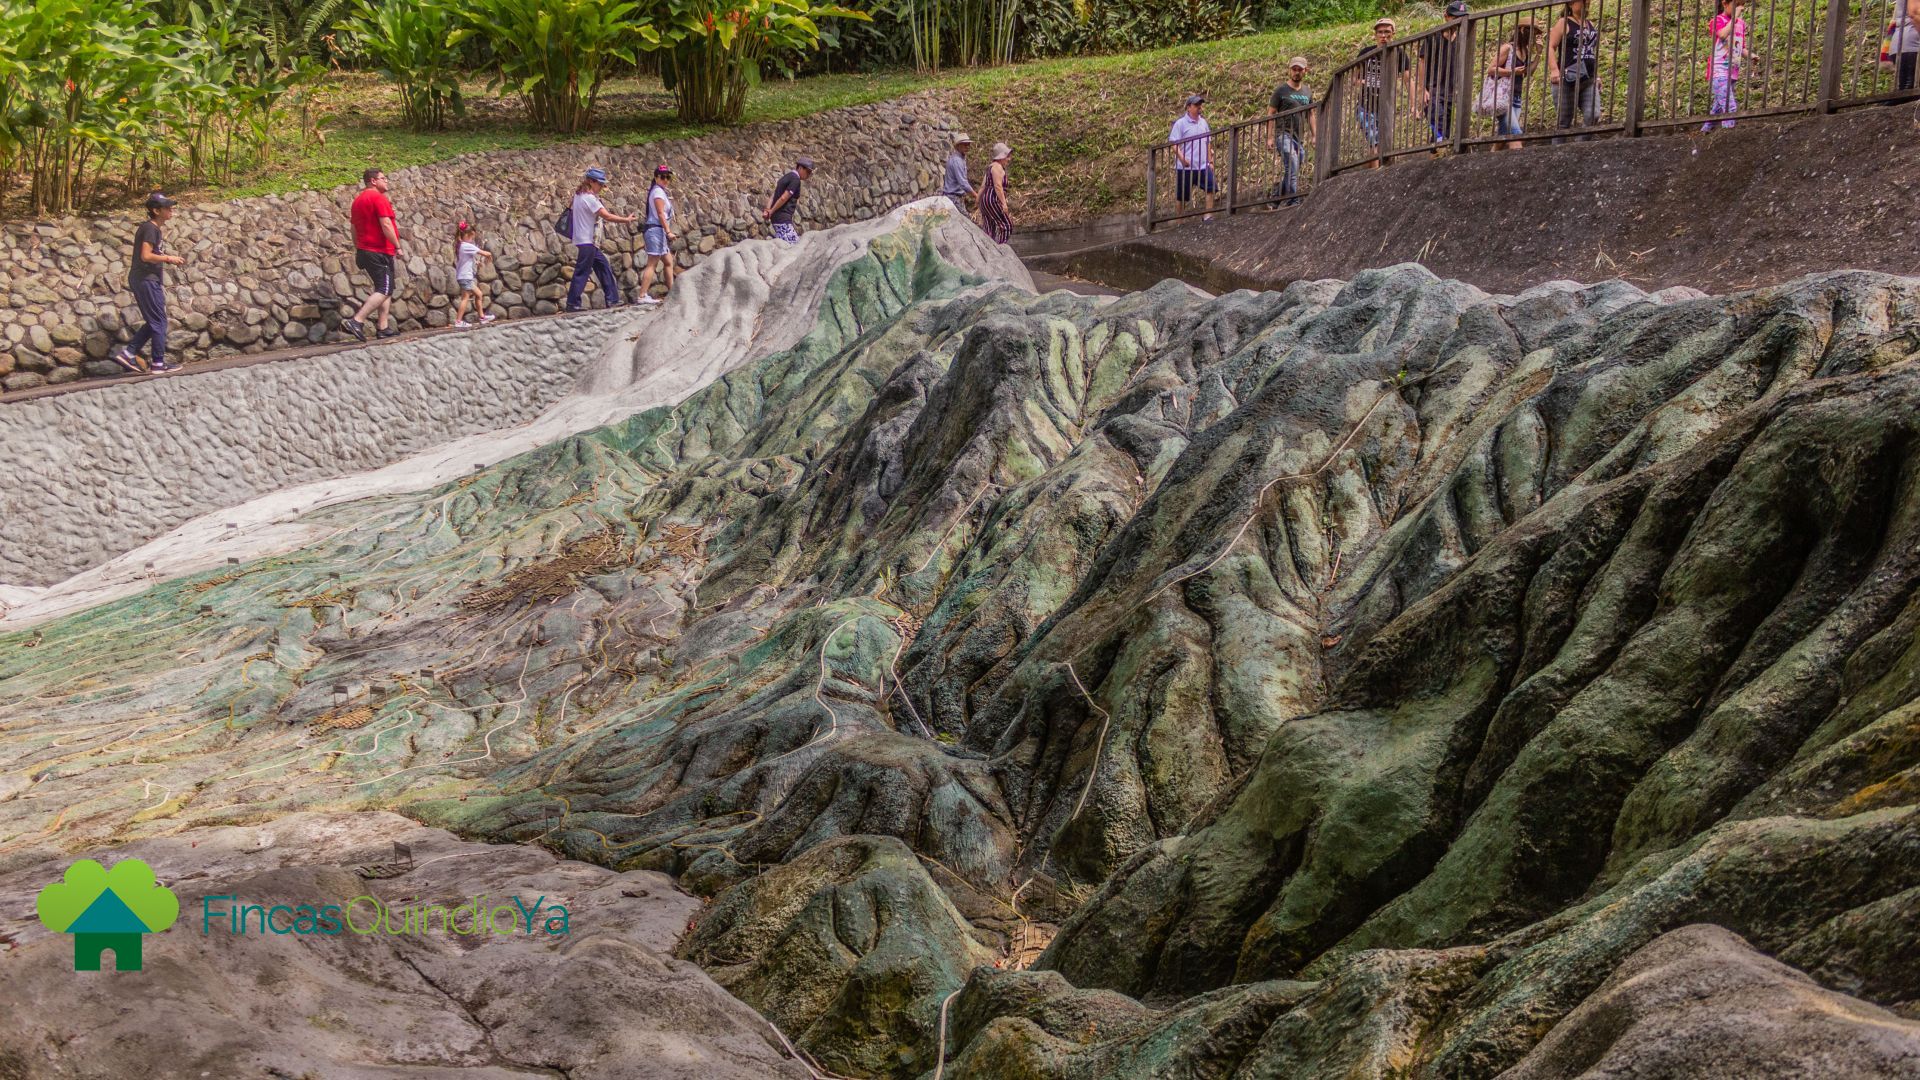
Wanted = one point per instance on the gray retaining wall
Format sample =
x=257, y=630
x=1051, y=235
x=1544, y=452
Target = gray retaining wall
x=273, y=272
x=87, y=476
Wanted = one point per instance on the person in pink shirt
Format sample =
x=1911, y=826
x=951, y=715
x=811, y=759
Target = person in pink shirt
x=1729, y=32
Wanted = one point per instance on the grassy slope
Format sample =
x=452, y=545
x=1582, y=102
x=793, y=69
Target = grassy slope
x=1080, y=127
x=1078, y=123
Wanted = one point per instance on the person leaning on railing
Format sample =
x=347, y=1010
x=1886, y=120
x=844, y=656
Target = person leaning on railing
x=1436, y=73
x=1372, y=77
x=1573, y=59
x=1291, y=97
x=1511, y=62
x=1906, y=44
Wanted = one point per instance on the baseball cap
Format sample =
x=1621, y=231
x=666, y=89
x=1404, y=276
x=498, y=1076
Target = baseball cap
x=1297, y=62
x=1457, y=9
x=1386, y=22
x=597, y=174
x=1196, y=99
x=663, y=169
x=804, y=163
x=158, y=201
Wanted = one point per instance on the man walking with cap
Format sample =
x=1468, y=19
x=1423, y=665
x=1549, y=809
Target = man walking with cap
x=145, y=279
x=376, y=242
x=953, y=183
x=786, y=195
x=1193, y=155
x=588, y=213
x=1289, y=98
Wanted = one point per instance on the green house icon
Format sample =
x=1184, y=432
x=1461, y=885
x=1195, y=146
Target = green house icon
x=107, y=910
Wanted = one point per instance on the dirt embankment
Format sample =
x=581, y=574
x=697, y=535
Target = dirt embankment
x=1760, y=204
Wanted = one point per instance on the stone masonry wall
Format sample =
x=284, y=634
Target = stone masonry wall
x=90, y=475
x=275, y=272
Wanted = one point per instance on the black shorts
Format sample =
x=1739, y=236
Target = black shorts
x=1185, y=180
x=379, y=267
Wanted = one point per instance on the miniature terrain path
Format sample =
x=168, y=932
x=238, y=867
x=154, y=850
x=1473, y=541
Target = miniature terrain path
x=1376, y=676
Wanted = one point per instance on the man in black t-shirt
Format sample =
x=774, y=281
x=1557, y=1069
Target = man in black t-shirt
x=1290, y=126
x=1438, y=53
x=786, y=196
x=145, y=280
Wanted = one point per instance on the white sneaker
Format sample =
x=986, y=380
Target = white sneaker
x=462, y=324
x=486, y=318
x=648, y=300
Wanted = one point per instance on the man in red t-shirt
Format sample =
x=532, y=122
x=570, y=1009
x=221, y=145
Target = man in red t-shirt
x=376, y=238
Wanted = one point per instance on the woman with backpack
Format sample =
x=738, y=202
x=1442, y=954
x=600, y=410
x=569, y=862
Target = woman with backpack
x=1573, y=60
x=588, y=213
x=659, y=218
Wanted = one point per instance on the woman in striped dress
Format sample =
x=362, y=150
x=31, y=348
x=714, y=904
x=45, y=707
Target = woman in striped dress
x=993, y=197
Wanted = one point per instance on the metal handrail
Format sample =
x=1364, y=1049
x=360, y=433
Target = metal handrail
x=1813, y=56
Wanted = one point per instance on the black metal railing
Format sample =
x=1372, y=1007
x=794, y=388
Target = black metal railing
x=1491, y=79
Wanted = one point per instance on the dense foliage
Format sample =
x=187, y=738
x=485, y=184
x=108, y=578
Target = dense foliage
x=407, y=44
x=555, y=53
x=91, y=85
x=712, y=50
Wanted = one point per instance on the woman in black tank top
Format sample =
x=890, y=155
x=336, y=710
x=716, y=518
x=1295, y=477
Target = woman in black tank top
x=1573, y=60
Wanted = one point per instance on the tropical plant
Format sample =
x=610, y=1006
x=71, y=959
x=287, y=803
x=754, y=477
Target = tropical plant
x=712, y=50
x=407, y=43
x=555, y=53
x=93, y=86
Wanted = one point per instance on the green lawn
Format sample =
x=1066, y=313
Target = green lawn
x=1078, y=124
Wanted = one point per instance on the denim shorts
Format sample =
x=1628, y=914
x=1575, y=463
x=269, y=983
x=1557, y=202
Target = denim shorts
x=467, y=283
x=656, y=241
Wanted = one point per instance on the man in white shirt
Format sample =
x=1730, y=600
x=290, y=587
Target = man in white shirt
x=1193, y=155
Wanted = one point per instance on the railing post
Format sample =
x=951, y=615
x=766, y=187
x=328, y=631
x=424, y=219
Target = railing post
x=1833, y=53
x=1389, y=90
x=1463, y=84
x=1153, y=154
x=1636, y=68
x=1233, y=168
x=1330, y=113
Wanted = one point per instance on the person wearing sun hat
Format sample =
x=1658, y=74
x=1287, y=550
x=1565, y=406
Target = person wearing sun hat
x=953, y=182
x=993, y=196
x=658, y=235
x=590, y=261
x=145, y=279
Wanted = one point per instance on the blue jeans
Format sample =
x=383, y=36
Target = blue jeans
x=1291, y=154
x=152, y=302
x=1369, y=127
x=591, y=261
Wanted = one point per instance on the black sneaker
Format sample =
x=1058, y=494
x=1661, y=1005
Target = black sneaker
x=391, y=331
x=354, y=327
x=162, y=365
